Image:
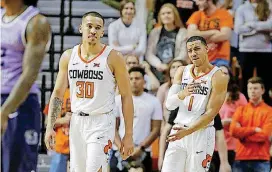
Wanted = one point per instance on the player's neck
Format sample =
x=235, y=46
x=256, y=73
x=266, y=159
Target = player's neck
x=88, y=49
x=210, y=10
x=14, y=8
x=169, y=27
x=204, y=68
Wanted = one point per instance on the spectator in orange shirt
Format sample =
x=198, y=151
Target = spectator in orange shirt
x=61, y=155
x=215, y=25
x=252, y=126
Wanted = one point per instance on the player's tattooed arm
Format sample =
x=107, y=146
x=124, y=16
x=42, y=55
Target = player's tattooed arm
x=56, y=105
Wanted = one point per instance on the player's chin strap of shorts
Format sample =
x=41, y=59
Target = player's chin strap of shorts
x=173, y=101
x=90, y=114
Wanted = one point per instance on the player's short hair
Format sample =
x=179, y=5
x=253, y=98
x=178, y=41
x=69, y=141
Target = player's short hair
x=197, y=38
x=256, y=80
x=94, y=14
x=31, y=2
x=137, y=69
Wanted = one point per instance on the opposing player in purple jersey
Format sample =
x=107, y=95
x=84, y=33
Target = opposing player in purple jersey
x=25, y=38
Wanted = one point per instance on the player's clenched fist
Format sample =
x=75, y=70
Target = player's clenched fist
x=127, y=146
x=188, y=90
x=49, y=139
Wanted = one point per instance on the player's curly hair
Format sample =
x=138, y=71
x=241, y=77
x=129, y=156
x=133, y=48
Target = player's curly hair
x=31, y=2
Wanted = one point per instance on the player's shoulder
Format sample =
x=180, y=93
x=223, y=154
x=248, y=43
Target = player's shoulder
x=66, y=55
x=115, y=58
x=39, y=20
x=219, y=78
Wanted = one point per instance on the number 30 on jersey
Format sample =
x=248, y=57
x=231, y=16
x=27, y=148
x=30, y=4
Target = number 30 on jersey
x=85, y=89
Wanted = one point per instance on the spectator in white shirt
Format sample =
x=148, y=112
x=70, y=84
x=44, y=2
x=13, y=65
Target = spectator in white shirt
x=146, y=124
x=126, y=34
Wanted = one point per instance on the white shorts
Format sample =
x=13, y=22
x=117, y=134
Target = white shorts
x=91, y=138
x=192, y=153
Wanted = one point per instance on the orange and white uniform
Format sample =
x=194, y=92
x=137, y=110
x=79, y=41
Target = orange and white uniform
x=92, y=127
x=193, y=152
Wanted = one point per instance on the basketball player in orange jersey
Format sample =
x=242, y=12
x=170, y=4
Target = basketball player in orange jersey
x=91, y=69
x=199, y=91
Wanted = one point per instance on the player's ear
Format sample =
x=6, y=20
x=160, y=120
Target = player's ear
x=80, y=28
x=102, y=34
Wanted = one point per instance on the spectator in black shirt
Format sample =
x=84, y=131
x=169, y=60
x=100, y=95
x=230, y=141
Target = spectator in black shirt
x=222, y=151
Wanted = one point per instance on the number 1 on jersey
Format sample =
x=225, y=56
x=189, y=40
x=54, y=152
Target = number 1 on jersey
x=191, y=103
x=86, y=89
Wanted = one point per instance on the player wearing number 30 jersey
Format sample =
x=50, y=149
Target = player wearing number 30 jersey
x=92, y=69
x=199, y=91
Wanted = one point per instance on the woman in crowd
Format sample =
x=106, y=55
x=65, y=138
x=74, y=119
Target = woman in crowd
x=126, y=34
x=164, y=88
x=253, y=23
x=166, y=42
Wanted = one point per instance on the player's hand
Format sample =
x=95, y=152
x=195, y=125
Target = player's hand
x=146, y=66
x=4, y=121
x=189, y=89
x=225, y=167
x=181, y=132
x=49, y=138
x=127, y=146
x=67, y=118
x=137, y=152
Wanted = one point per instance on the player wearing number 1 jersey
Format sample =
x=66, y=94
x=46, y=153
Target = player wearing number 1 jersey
x=199, y=91
x=92, y=69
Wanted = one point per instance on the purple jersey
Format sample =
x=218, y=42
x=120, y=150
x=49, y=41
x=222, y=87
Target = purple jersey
x=12, y=49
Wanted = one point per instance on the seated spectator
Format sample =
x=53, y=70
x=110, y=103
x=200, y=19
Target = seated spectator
x=220, y=140
x=163, y=90
x=252, y=126
x=146, y=125
x=166, y=42
x=234, y=99
x=60, y=157
x=253, y=23
x=126, y=34
x=215, y=26
x=151, y=82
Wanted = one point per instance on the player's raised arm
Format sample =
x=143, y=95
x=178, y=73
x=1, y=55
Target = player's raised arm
x=118, y=66
x=56, y=99
x=37, y=36
x=217, y=98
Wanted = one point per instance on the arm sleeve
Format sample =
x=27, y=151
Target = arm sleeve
x=172, y=100
x=140, y=49
x=172, y=116
x=217, y=123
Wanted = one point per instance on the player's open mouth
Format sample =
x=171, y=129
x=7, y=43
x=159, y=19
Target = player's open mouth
x=91, y=36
